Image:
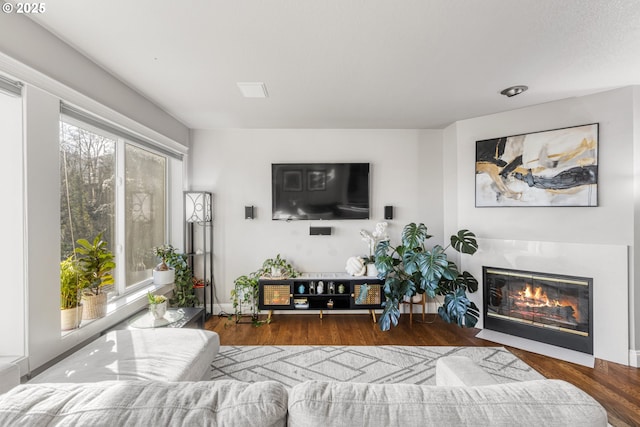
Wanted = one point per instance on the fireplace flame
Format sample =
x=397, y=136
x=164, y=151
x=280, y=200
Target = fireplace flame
x=537, y=297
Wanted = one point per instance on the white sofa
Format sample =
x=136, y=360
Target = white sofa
x=546, y=403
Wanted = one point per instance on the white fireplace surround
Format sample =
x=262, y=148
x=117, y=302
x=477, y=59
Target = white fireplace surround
x=606, y=264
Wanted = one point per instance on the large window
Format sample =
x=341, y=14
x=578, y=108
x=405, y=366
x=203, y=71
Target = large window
x=145, y=212
x=112, y=185
x=87, y=196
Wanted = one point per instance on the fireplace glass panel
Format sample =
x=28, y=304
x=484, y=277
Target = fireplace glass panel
x=548, y=308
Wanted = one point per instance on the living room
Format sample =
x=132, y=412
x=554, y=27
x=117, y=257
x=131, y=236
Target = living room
x=425, y=172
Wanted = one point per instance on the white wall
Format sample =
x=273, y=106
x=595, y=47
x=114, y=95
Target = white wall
x=236, y=166
x=30, y=44
x=612, y=222
x=12, y=227
x=43, y=223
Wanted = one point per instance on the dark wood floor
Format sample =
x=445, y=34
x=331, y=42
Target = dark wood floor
x=615, y=386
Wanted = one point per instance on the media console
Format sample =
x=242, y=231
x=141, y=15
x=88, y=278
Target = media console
x=320, y=291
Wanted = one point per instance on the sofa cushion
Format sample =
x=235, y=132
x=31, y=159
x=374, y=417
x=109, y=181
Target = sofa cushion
x=531, y=403
x=145, y=403
x=164, y=354
x=461, y=370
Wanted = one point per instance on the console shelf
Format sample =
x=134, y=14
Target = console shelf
x=322, y=291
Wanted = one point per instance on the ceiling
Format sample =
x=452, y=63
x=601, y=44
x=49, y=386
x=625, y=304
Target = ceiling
x=353, y=63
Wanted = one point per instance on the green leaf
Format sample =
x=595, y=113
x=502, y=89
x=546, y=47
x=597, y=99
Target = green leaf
x=413, y=236
x=464, y=242
x=471, y=316
x=433, y=265
x=457, y=308
x=467, y=281
x=411, y=259
x=383, y=262
x=390, y=315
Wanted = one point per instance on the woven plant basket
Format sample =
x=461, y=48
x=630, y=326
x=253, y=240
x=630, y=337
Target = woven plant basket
x=95, y=306
x=70, y=318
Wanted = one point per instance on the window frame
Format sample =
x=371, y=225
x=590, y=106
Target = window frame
x=120, y=289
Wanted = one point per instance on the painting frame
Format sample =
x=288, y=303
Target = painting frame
x=316, y=180
x=292, y=180
x=551, y=168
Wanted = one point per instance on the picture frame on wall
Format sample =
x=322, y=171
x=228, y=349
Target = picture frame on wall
x=316, y=180
x=292, y=180
x=556, y=167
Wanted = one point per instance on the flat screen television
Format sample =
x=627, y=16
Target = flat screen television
x=314, y=191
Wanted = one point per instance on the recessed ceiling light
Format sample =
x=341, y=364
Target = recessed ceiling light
x=514, y=90
x=253, y=89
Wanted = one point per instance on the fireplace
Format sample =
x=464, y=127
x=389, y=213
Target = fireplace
x=550, y=308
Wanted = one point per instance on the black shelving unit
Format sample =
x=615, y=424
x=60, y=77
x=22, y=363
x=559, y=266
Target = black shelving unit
x=198, y=242
x=337, y=293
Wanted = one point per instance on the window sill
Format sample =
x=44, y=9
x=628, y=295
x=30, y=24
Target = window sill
x=119, y=308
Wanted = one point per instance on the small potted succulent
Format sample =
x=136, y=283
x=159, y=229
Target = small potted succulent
x=157, y=305
x=163, y=274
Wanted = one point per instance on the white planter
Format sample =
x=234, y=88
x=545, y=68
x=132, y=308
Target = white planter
x=158, y=310
x=372, y=271
x=95, y=306
x=164, y=277
x=70, y=318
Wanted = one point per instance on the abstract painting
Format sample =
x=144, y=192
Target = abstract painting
x=551, y=168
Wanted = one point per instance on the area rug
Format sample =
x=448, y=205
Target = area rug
x=291, y=365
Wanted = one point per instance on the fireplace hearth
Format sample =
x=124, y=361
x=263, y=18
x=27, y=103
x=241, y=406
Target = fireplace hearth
x=549, y=308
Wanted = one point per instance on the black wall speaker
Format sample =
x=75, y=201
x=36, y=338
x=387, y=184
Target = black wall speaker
x=388, y=212
x=320, y=231
x=248, y=212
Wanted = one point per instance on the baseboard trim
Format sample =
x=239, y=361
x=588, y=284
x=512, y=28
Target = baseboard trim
x=634, y=358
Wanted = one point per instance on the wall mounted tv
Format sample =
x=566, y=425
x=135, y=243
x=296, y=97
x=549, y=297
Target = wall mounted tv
x=315, y=191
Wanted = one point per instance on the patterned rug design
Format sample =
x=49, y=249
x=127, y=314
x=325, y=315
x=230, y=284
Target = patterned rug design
x=290, y=365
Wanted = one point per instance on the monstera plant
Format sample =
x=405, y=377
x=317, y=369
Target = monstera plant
x=411, y=268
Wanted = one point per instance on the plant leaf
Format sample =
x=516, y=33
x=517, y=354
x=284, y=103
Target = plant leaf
x=464, y=242
x=390, y=315
x=432, y=265
x=413, y=236
x=466, y=280
x=456, y=309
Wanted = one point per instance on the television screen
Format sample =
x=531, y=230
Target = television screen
x=316, y=191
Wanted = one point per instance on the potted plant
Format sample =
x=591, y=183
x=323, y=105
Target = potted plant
x=277, y=268
x=372, y=239
x=163, y=274
x=246, y=290
x=245, y=293
x=71, y=285
x=95, y=262
x=184, y=294
x=411, y=268
x=157, y=305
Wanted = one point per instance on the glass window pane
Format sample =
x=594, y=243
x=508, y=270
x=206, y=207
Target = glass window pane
x=145, y=188
x=87, y=187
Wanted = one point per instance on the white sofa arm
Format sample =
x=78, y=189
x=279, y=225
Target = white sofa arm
x=461, y=371
x=9, y=376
